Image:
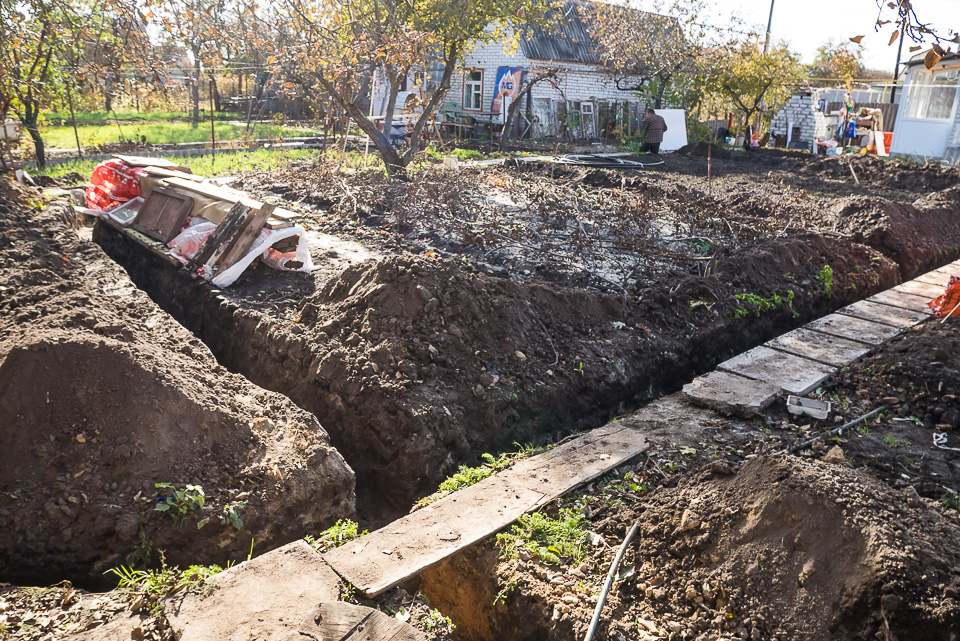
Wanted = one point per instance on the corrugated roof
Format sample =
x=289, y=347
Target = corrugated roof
x=567, y=39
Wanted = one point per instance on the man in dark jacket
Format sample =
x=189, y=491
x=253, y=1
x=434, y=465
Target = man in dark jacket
x=652, y=131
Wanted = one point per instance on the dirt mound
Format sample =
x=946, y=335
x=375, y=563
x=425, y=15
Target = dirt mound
x=916, y=238
x=102, y=395
x=785, y=548
x=441, y=360
x=918, y=377
x=890, y=173
x=703, y=150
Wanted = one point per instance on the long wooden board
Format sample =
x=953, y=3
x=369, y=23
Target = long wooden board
x=389, y=556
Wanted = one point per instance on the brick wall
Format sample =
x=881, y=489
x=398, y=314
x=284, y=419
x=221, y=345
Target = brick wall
x=801, y=111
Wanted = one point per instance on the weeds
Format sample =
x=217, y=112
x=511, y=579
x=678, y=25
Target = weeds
x=436, y=620
x=546, y=538
x=467, y=476
x=166, y=580
x=506, y=591
x=950, y=501
x=343, y=531
x=893, y=441
x=180, y=502
x=826, y=280
x=753, y=304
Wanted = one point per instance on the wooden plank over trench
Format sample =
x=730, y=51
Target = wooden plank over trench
x=389, y=556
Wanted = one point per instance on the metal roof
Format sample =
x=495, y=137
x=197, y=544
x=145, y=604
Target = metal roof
x=567, y=39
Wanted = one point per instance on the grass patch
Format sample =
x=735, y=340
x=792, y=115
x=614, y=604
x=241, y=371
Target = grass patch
x=546, y=538
x=108, y=118
x=62, y=137
x=467, y=476
x=341, y=532
x=166, y=581
x=221, y=164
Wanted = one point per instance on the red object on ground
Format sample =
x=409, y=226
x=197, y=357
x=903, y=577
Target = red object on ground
x=113, y=183
x=887, y=140
x=949, y=303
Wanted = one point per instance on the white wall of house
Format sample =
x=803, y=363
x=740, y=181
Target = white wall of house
x=929, y=118
x=576, y=85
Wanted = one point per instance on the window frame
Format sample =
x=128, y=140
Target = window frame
x=469, y=82
x=918, y=99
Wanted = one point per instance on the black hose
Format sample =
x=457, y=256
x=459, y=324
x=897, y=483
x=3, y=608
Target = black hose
x=836, y=430
x=595, y=621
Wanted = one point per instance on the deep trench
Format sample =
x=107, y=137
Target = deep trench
x=241, y=341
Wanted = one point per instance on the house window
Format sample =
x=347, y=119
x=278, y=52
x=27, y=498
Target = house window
x=930, y=95
x=473, y=89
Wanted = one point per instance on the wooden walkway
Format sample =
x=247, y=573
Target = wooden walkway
x=796, y=362
x=799, y=361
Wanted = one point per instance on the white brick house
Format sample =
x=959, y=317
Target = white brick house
x=584, y=101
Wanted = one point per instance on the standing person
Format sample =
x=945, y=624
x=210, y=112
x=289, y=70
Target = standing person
x=652, y=131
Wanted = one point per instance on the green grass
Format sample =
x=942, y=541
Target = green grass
x=62, y=137
x=222, y=164
x=546, y=538
x=166, y=580
x=467, y=476
x=104, y=118
x=341, y=532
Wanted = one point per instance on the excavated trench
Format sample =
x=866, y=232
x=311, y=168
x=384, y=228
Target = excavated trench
x=401, y=441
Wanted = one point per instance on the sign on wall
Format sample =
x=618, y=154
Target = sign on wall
x=507, y=86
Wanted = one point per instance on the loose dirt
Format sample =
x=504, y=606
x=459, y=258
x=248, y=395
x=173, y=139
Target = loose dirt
x=103, y=395
x=454, y=314
x=781, y=548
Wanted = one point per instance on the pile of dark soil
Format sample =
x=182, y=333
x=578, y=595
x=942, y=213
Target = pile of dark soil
x=102, y=395
x=781, y=549
x=916, y=443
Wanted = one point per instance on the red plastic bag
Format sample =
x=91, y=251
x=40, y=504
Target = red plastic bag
x=949, y=303
x=113, y=183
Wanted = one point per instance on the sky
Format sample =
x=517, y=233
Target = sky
x=808, y=24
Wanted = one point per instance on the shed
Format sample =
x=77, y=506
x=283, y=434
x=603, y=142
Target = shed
x=928, y=125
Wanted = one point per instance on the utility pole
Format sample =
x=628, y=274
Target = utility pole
x=766, y=45
x=896, y=70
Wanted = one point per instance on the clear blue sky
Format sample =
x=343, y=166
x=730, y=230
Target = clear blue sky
x=807, y=24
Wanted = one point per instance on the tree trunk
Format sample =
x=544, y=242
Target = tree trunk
x=195, y=94
x=34, y=132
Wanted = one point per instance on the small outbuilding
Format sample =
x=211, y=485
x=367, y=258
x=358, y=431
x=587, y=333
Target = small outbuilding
x=929, y=121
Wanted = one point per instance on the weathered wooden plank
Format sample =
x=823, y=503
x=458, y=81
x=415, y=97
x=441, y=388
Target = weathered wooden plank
x=901, y=299
x=573, y=464
x=792, y=373
x=919, y=288
x=823, y=348
x=855, y=329
x=247, y=234
x=389, y=556
x=886, y=314
x=339, y=621
x=162, y=214
x=265, y=598
x=221, y=234
x=731, y=393
x=405, y=548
